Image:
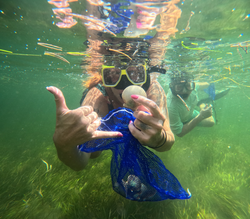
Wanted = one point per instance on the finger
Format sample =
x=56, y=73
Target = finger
x=88, y=111
x=93, y=126
x=106, y=134
x=205, y=107
x=92, y=117
x=61, y=107
x=149, y=104
x=135, y=132
x=145, y=130
x=148, y=119
x=210, y=107
x=142, y=108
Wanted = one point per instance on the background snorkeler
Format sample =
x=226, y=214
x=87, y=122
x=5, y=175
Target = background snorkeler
x=182, y=100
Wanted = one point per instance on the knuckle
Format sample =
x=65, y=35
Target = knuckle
x=88, y=109
x=153, y=105
x=85, y=123
x=141, y=115
x=94, y=115
x=89, y=132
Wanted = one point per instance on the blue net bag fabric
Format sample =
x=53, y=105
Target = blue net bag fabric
x=137, y=173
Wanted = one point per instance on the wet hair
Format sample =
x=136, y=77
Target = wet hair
x=177, y=77
x=122, y=51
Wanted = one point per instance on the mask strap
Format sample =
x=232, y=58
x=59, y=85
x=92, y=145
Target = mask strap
x=156, y=70
x=147, y=84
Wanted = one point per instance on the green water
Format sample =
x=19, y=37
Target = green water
x=214, y=163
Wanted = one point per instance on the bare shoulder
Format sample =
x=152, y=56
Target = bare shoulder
x=96, y=99
x=156, y=93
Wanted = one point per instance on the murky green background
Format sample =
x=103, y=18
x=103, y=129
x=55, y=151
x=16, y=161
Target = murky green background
x=214, y=163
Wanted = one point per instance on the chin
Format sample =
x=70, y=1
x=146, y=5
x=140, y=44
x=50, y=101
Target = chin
x=117, y=90
x=184, y=96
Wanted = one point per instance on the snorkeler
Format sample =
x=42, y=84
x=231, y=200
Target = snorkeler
x=75, y=127
x=182, y=100
x=114, y=63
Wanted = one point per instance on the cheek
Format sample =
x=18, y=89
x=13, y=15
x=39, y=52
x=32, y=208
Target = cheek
x=117, y=93
x=185, y=92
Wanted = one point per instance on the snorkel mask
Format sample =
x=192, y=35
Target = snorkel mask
x=180, y=82
x=124, y=76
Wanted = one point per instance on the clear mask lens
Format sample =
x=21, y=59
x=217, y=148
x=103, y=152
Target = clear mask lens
x=111, y=76
x=136, y=74
x=180, y=86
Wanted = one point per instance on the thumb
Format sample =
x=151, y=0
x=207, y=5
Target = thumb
x=61, y=107
x=210, y=107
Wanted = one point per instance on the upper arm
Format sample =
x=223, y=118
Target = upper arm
x=157, y=94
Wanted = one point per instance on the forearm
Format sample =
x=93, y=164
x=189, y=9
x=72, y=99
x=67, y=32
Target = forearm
x=74, y=158
x=190, y=126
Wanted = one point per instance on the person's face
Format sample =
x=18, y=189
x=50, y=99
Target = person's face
x=118, y=94
x=184, y=88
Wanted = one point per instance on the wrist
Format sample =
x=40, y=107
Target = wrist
x=163, y=140
x=201, y=117
x=64, y=148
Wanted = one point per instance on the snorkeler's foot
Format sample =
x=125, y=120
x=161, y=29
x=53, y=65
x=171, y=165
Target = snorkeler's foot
x=221, y=93
x=218, y=95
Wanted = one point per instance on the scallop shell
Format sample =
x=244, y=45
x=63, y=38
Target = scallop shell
x=130, y=90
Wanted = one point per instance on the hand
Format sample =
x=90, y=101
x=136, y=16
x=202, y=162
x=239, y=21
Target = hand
x=74, y=127
x=147, y=127
x=206, y=112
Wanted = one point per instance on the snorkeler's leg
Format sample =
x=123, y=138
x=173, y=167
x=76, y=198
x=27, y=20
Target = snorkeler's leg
x=208, y=122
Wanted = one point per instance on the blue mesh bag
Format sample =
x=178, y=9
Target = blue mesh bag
x=137, y=173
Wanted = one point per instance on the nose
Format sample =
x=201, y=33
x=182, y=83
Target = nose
x=184, y=89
